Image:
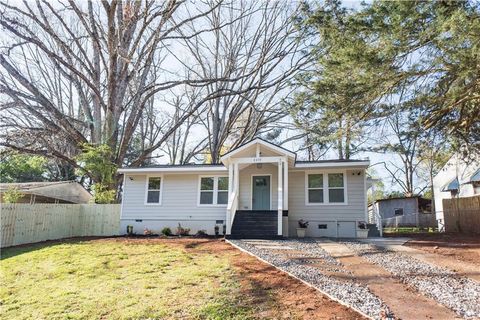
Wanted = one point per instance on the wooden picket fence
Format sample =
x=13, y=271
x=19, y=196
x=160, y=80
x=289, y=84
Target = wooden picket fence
x=26, y=223
x=462, y=214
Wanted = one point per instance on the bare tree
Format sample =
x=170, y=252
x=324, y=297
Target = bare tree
x=185, y=144
x=401, y=137
x=79, y=72
x=433, y=154
x=258, y=39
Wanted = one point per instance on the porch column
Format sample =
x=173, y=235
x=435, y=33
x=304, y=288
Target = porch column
x=285, y=198
x=229, y=221
x=236, y=179
x=230, y=180
x=280, y=199
x=285, y=185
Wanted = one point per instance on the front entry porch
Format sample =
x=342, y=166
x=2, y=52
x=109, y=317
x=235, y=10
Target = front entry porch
x=258, y=191
x=255, y=224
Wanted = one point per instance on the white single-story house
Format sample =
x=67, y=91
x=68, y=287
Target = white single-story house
x=458, y=178
x=259, y=190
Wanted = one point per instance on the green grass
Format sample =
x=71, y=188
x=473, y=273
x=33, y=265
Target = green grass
x=407, y=230
x=118, y=280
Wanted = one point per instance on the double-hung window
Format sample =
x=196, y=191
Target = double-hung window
x=222, y=192
x=154, y=188
x=325, y=188
x=315, y=188
x=213, y=191
x=336, y=189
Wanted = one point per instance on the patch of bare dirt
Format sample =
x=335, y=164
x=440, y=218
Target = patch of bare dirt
x=464, y=248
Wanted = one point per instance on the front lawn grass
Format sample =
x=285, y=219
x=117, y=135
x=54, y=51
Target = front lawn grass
x=118, y=279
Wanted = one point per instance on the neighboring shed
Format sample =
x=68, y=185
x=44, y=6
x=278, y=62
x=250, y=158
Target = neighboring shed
x=49, y=192
x=404, y=211
x=392, y=207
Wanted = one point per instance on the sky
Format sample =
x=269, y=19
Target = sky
x=374, y=158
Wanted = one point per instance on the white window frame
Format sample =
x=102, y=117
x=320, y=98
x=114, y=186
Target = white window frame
x=215, y=191
x=159, y=203
x=326, y=200
x=307, y=189
x=337, y=188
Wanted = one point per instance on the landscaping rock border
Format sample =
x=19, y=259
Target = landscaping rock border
x=350, y=293
x=444, y=286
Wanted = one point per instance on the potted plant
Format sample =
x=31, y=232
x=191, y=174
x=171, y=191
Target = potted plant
x=302, y=228
x=362, y=230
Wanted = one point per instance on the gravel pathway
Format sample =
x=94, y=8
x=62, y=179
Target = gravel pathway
x=453, y=291
x=349, y=292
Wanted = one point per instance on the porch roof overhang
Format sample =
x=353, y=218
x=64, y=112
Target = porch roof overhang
x=260, y=146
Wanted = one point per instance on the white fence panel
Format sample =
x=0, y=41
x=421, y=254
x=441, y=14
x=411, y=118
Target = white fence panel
x=419, y=220
x=26, y=223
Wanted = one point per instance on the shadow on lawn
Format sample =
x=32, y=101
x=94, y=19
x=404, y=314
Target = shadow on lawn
x=185, y=242
x=244, y=304
x=10, y=252
x=252, y=298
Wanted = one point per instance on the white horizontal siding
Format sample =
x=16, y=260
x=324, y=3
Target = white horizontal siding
x=179, y=199
x=354, y=210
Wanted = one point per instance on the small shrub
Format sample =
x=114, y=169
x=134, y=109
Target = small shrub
x=201, y=233
x=362, y=225
x=167, y=231
x=302, y=224
x=181, y=231
x=12, y=195
x=147, y=232
x=217, y=230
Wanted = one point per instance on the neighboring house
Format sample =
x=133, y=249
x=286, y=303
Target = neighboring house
x=259, y=190
x=48, y=192
x=458, y=178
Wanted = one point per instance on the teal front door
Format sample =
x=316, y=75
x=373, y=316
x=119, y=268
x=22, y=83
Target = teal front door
x=261, y=193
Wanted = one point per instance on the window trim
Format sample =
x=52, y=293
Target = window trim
x=215, y=190
x=159, y=203
x=326, y=198
x=337, y=188
x=307, y=193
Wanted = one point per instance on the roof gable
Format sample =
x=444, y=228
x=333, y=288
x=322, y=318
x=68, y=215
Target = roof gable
x=475, y=177
x=453, y=185
x=264, y=145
